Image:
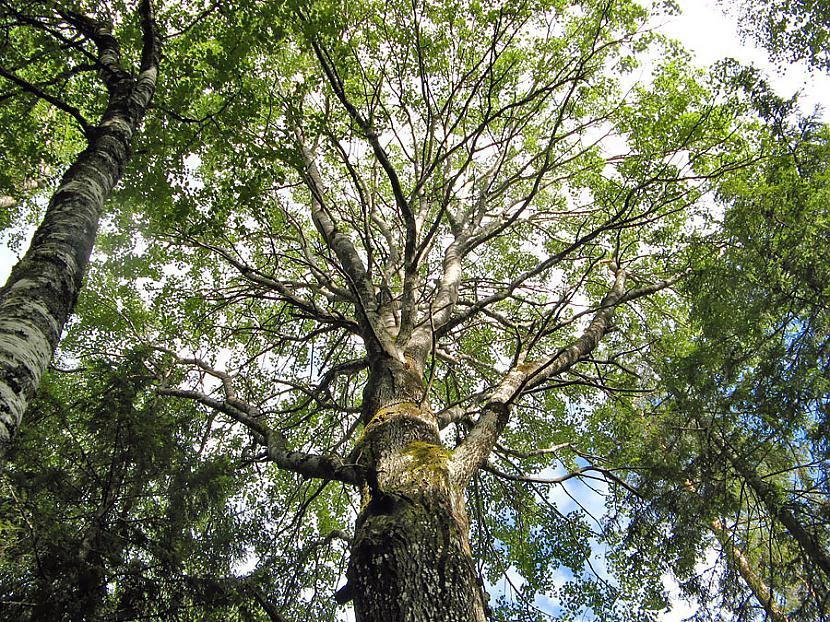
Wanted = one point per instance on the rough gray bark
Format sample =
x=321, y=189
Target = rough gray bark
x=41, y=291
x=410, y=556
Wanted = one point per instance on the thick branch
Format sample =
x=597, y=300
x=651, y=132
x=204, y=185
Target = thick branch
x=442, y=305
x=327, y=467
x=473, y=451
x=350, y=261
x=271, y=611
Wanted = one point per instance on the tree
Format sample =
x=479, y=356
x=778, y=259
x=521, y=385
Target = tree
x=743, y=410
x=791, y=30
x=416, y=252
x=38, y=297
x=126, y=471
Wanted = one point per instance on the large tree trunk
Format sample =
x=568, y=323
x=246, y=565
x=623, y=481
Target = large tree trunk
x=410, y=557
x=42, y=289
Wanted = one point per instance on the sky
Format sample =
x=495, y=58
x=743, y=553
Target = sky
x=710, y=34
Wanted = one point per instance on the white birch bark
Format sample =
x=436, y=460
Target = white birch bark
x=41, y=291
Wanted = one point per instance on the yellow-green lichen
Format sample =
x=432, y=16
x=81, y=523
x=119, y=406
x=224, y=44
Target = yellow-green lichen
x=395, y=410
x=427, y=456
x=387, y=413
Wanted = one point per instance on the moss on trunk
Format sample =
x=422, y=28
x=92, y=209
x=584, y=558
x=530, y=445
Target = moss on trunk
x=410, y=558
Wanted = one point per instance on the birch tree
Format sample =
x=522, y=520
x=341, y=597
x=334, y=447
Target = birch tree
x=38, y=297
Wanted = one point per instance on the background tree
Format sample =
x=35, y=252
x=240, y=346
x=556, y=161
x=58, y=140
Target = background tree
x=111, y=491
x=48, y=53
x=741, y=423
x=791, y=30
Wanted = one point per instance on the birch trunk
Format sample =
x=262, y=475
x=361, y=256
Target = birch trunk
x=738, y=560
x=41, y=291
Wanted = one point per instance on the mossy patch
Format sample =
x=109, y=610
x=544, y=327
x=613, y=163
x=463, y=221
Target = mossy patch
x=427, y=456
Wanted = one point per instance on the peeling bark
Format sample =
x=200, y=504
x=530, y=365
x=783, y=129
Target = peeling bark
x=41, y=291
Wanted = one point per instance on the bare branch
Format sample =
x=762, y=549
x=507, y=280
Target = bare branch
x=350, y=262
x=380, y=153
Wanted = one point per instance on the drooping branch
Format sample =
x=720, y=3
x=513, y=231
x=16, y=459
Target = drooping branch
x=327, y=467
x=777, y=507
x=739, y=562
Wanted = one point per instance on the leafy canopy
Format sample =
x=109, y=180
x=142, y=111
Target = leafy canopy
x=319, y=180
